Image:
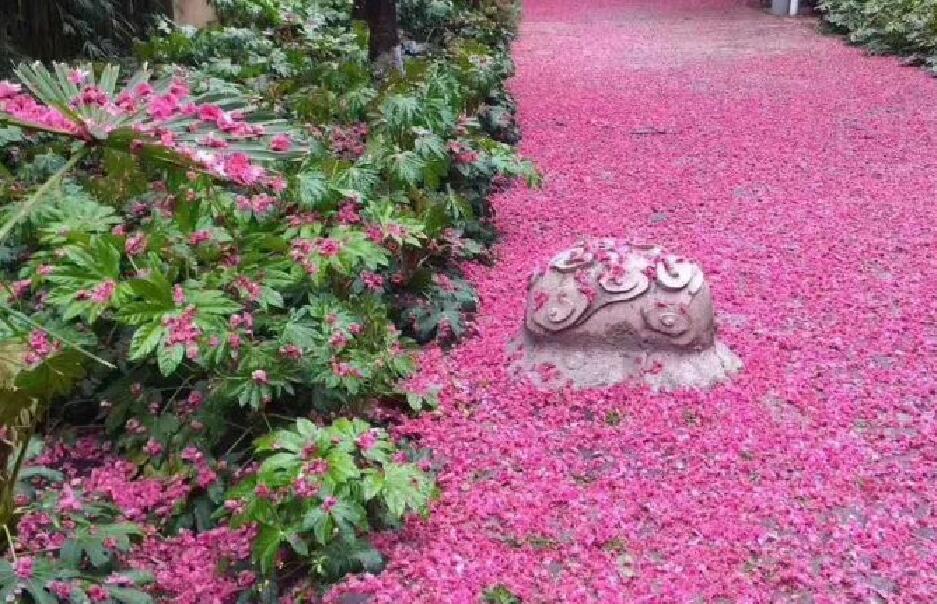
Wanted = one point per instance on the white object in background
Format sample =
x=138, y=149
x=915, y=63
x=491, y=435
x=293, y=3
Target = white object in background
x=795, y=6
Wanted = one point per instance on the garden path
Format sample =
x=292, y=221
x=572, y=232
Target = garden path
x=801, y=173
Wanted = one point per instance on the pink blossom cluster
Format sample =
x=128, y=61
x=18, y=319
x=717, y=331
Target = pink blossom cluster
x=205, y=475
x=138, y=498
x=348, y=213
x=162, y=110
x=100, y=294
x=24, y=108
x=301, y=219
x=40, y=347
x=74, y=458
x=183, y=330
x=306, y=252
x=462, y=153
x=349, y=142
x=211, y=567
x=259, y=205
x=345, y=370
x=36, y=532
x=372, y=281
x=248, y=289
x=197, y=568
x=20, y=289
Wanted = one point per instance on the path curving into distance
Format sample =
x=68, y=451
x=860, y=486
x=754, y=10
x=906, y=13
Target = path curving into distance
x=802, y=174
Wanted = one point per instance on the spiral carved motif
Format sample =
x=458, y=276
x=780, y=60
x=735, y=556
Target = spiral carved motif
x=613, y=272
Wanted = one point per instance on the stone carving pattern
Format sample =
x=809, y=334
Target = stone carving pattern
x=605, y=295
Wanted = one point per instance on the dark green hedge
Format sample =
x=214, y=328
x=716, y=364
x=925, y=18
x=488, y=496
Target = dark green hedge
x=902, y=27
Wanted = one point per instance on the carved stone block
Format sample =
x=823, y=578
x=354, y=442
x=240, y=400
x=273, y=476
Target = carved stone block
x=606, y=312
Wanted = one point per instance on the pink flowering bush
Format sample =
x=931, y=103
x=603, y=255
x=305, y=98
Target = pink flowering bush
x=90, y=539
x=194, y=258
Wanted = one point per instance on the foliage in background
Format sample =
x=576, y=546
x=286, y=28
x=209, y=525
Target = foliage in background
x=70, y=29
x=903, y=27
x=189, y=262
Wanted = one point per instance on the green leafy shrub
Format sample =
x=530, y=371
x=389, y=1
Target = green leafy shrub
x=317, y=489
x=905, y=27
x=499, y=594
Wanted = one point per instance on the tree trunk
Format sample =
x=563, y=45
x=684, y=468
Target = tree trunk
x=359, y=10
x=384, y=41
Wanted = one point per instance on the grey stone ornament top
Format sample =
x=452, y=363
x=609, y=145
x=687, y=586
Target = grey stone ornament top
x=606, y=311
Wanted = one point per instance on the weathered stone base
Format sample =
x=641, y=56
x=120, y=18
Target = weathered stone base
x=661, y=370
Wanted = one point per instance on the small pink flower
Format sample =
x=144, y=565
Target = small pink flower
x=330, y=248
x=40, y=347
x=375, y=234
x=200, y=237
x=153, y=448
x=318, y=466
x=21, y=288
x=192, y=454
x=103, y=293
x=69, y=501
x=345, y=370
x=235, y=506
x=259, y=205
x=93, y=96
x=143, y=90
x=291, y=351
x=338, y=341
x=372, y=281
x=310, y=452
x=305, y=489
x=280, y=143
x=77, y=76
x=239, y=168
x=136, y=244
x=348, y=214
x=278, y=184
x=134, y=426
x=195, y=399
x=24, y=568
x=60, y=589
x=98, y=594
x=367, y=441
x=329, y=503
x=260, y=376
x=206, y=477
x=178, y=295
